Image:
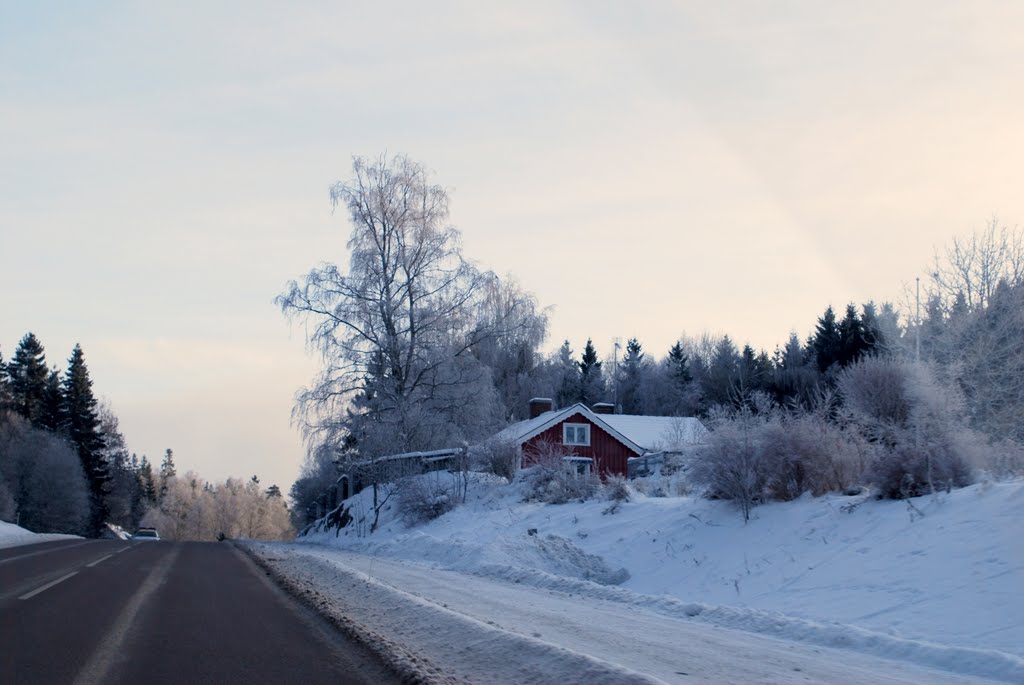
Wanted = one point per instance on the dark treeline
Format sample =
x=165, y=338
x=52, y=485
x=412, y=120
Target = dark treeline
x=64, y=464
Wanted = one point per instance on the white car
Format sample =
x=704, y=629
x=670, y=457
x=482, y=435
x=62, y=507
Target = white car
x=146, y=534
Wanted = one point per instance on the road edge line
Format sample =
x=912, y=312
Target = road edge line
x=395, y=657
x=99, y=664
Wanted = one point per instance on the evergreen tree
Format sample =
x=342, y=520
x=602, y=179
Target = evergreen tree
x=852, y=338
x=28, y=374
x=825, y=342
x=52, y=416
x=82, y=426
x=6, y=398
x=679, y=364
x=273, y=491
x=631, y=384
x=592, y=388
x=167, y=471
x=145, y=472
x=720, y=382
x=568, y=377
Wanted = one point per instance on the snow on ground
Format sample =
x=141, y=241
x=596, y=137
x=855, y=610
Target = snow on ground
x=476, y=629
x=936, y=582
x=13, y=536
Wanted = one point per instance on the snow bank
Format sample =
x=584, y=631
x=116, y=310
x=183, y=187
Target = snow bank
x=427, y=642
x=940, y=570
x=13, y=536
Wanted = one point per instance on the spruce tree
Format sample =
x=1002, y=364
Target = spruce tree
x=592, y=388
x=145, y=472
x=679, y=364
x=6, y=398
x=167, y=471
x=631, y=383
x=852, y=342
x=568, y=377
x=52, y=415
x=28, y=374
x=82, y=427
x=825, y=342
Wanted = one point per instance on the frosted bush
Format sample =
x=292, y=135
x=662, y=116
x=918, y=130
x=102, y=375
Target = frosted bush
x=425, y=498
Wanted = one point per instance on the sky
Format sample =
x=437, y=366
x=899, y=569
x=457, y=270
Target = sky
x=645, y=169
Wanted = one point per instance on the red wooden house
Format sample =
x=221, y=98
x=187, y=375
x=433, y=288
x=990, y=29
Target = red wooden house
x=597, y=439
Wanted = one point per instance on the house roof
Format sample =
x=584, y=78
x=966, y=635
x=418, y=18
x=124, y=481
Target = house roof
x=657, y=433
x=639, y=433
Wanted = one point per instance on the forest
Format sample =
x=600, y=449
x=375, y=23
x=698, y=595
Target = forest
x=65, y=466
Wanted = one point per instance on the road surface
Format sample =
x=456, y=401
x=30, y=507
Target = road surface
x=105, y=611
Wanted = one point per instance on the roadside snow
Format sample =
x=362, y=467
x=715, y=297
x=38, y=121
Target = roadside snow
x=13, y=536
x=936, y=582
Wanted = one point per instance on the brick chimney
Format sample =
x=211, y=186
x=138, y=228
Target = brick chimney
x=539, y=405
x=603, y=408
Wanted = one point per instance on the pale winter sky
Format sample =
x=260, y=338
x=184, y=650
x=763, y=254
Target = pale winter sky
x=648, y=169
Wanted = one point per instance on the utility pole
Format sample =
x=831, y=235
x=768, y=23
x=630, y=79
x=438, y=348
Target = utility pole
x=616, y=344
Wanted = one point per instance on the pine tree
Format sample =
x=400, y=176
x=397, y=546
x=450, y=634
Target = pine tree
x=167, y=471
x=273, y=491
x=592, y=388
x=825, y=342
x=52, y=416
x=82, y=426
x=28, y=374
x=720, y=382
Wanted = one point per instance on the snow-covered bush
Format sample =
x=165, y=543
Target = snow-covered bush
x=915, y=423
x=500, y=457
x=553, y=480
x=616, y=489
x=424, y=498
x=1004, y=459
x=733, y=466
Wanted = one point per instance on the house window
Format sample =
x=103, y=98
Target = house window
x=575, y=434
x=581, y=466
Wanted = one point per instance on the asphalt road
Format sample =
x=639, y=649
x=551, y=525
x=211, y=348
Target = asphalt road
x=104, y=611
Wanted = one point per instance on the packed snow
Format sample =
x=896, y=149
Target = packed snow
x=836, y=589
x=13, y=536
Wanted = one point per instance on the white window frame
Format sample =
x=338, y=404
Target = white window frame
x=575, y=428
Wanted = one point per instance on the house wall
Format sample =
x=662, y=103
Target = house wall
x=610, y=455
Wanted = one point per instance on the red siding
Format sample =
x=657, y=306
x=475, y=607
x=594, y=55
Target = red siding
x=610, y=454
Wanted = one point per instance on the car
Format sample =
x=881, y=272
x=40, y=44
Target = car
x=146, y=534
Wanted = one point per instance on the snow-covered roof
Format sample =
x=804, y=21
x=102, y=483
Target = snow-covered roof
x=655, y=433
x=639, y=433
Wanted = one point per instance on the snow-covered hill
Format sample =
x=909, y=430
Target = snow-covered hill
x=935, y=581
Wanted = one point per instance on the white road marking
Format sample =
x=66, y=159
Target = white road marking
x=45, y=551
x=30, y=595
x=101, y=559
x=109, y=649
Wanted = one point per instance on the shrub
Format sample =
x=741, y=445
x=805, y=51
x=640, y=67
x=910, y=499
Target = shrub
x=552, y=480
x=425, y=498
x=500, y=457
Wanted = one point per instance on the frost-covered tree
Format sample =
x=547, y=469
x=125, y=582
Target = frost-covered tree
x=719, y=381
x=396, y=329
x=43, y=476
x=567, y=378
